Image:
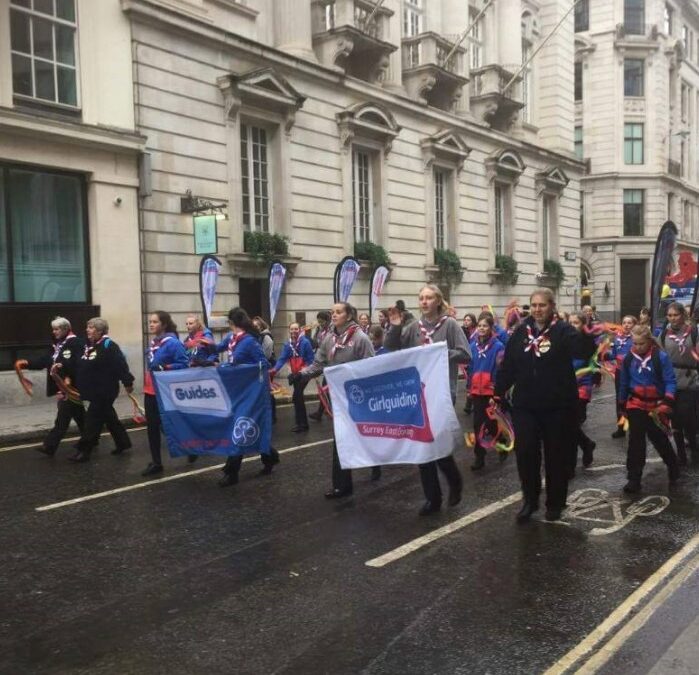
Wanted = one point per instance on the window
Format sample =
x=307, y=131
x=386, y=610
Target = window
x=633, y=143
x=255, y=177
x=476, y=39
x=582, y=16
x=329, y=16
x=667, y=23
x=633, y=213
x=582, y=214
x=500, y=225
x=547, y=225
x=42, y=43
x=633, y=77
x=43, y=252
x=684, y=101
x=578, y=80
x=670, y=200
x=579, y=142
x=527, y=81
x=362, y=193
x=683, y=156
x=441, y=182
x=412, y=17
x=634, y=16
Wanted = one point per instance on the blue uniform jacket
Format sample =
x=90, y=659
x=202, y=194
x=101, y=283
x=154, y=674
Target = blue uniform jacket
x=641, y=387
x=483, y=366
x=501, y=334
x=305, y=351
x=198, y=351
x=248, y=350
x=584, y=381
x=170, y=355
x=620, y=348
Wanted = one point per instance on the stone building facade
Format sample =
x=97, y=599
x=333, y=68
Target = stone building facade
x=332, y=122
x=69, y=154
x=636, y=125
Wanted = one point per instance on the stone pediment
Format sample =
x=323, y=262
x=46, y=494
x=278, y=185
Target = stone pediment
x=370, y=121
x=506, y=165
x=554, y=179
x=446, y=146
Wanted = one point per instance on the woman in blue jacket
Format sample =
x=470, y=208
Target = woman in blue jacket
x=199, y=343
x=165, y=352
x=298, y=353
x=239, y=347
x=580, y=322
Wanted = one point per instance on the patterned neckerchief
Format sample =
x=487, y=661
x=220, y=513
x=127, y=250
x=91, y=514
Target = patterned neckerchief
x=344, y=340
x=534, y=343
x=155, y=344
x=678, y=339
x=427, y=333
x=58, y=347
x=643, y=361
x=483, y=350
x=89, y=349
x=233, y=343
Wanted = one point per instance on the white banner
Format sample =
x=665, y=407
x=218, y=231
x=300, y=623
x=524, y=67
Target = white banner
x=394, y=409
x=377, y=283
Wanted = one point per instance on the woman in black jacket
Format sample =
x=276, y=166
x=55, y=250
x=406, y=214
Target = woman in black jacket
x=538, y=363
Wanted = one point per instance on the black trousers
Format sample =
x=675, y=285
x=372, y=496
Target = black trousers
x=342, y=478
x=100, y=413
x=640, y=426
x=617, y=384
x=65, y=412
x=233, y=463
x=582, y=439
x=480, y=404
x=552, y=429
x=429, y=477
x=300, y=404
x=153, y=427
x=684, y=421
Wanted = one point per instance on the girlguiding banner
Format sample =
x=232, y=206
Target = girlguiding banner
x=395, y=409
x=221, y=411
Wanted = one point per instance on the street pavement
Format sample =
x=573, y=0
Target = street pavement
x=180, y=576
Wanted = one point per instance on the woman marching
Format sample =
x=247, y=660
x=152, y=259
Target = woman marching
x=345, y=343
x=620, y=348
x=679, y=340
x=242, y=346
x=468, y=326
x=538, y=362
x=487, y=353
x=199, y=343
x=322, y=330
x=433, y=326
x=364, y=323
x=579, y=321
x=267, y=344
x=297, y=352
x=647, y=387
x=165, y=352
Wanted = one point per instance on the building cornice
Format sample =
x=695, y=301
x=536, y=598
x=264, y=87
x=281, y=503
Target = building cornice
x=154, y=13
x=73, y=133
x=674, y=181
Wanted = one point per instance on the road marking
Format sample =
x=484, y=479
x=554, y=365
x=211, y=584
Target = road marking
x=604, y=467
x=166, y=479
x=428, y=538
x=630, y=606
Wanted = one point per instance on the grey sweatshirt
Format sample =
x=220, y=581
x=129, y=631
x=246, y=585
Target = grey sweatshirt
x=403, y=337
x=356, y=348
x=684, y=364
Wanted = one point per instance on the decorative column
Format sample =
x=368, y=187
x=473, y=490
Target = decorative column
x=293, y=31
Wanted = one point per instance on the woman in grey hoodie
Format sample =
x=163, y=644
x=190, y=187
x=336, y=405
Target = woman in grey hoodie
x=344, y=343
x=435, y=325
x=679, y=340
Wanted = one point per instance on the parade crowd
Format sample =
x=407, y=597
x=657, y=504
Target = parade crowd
x=530, y=376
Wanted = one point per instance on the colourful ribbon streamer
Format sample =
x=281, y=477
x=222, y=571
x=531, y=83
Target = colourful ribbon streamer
x=139, y=414
x=661, y=419
x=70, y=392
x=324, y=398
x=504, y=438
x=278, y=391
x=26, y=383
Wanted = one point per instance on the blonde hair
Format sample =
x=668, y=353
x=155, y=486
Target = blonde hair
x=642, y=331
x=443, y=306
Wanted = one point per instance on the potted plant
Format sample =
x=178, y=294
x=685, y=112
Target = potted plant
x=264, y=246
x=553, y=274
x=506, y=270
x=449, y=265
x=372, y=254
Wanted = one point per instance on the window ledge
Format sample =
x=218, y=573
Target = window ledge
x=547, y=280
x=237, y=7
x=498, y=277
x=246, y=265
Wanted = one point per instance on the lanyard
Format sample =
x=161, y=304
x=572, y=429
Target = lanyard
x=426, y=334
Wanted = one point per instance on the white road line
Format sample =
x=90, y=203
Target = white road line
x=475, y=516
x=418, y=543
x=166, y=479
x=652, y=460
x=630, y=606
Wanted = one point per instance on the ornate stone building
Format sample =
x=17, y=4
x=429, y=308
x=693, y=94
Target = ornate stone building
x=637, y=101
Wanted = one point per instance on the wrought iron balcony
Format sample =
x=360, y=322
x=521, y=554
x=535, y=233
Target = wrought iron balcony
x=433, y=71
x=350, y=35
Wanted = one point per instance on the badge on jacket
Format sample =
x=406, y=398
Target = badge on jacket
x=66, y=354
x=544, y=346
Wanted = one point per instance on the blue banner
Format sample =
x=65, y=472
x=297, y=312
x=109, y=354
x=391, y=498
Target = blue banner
x=222, y=411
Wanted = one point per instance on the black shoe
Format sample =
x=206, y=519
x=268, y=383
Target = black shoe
x=478, y=464
x=502, y=456
x=79, y=457
x=317, y=416
x=273, y=456
x=428, y=508
x=553, y=514
x=49, y=452
x=525, y=513
x=633, y=486
x=228, y=479
x=299, y=429
x=454, y=497
x=152, y=470
x=336, y=493
x=587, y=457
x=619, y=433
x=682, y=458
x=119, y=451
x=192, y=458
x=266, y=470
x=375, y=473
x=673, y=474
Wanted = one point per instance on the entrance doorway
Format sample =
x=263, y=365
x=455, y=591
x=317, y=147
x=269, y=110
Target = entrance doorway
x=634, y=282
x=254, y=297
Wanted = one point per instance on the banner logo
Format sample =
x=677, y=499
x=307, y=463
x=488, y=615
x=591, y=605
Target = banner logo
x=204, y=396
x=245, y=432
x=390, y=405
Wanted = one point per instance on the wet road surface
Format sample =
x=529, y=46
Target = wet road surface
x=268, y=577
